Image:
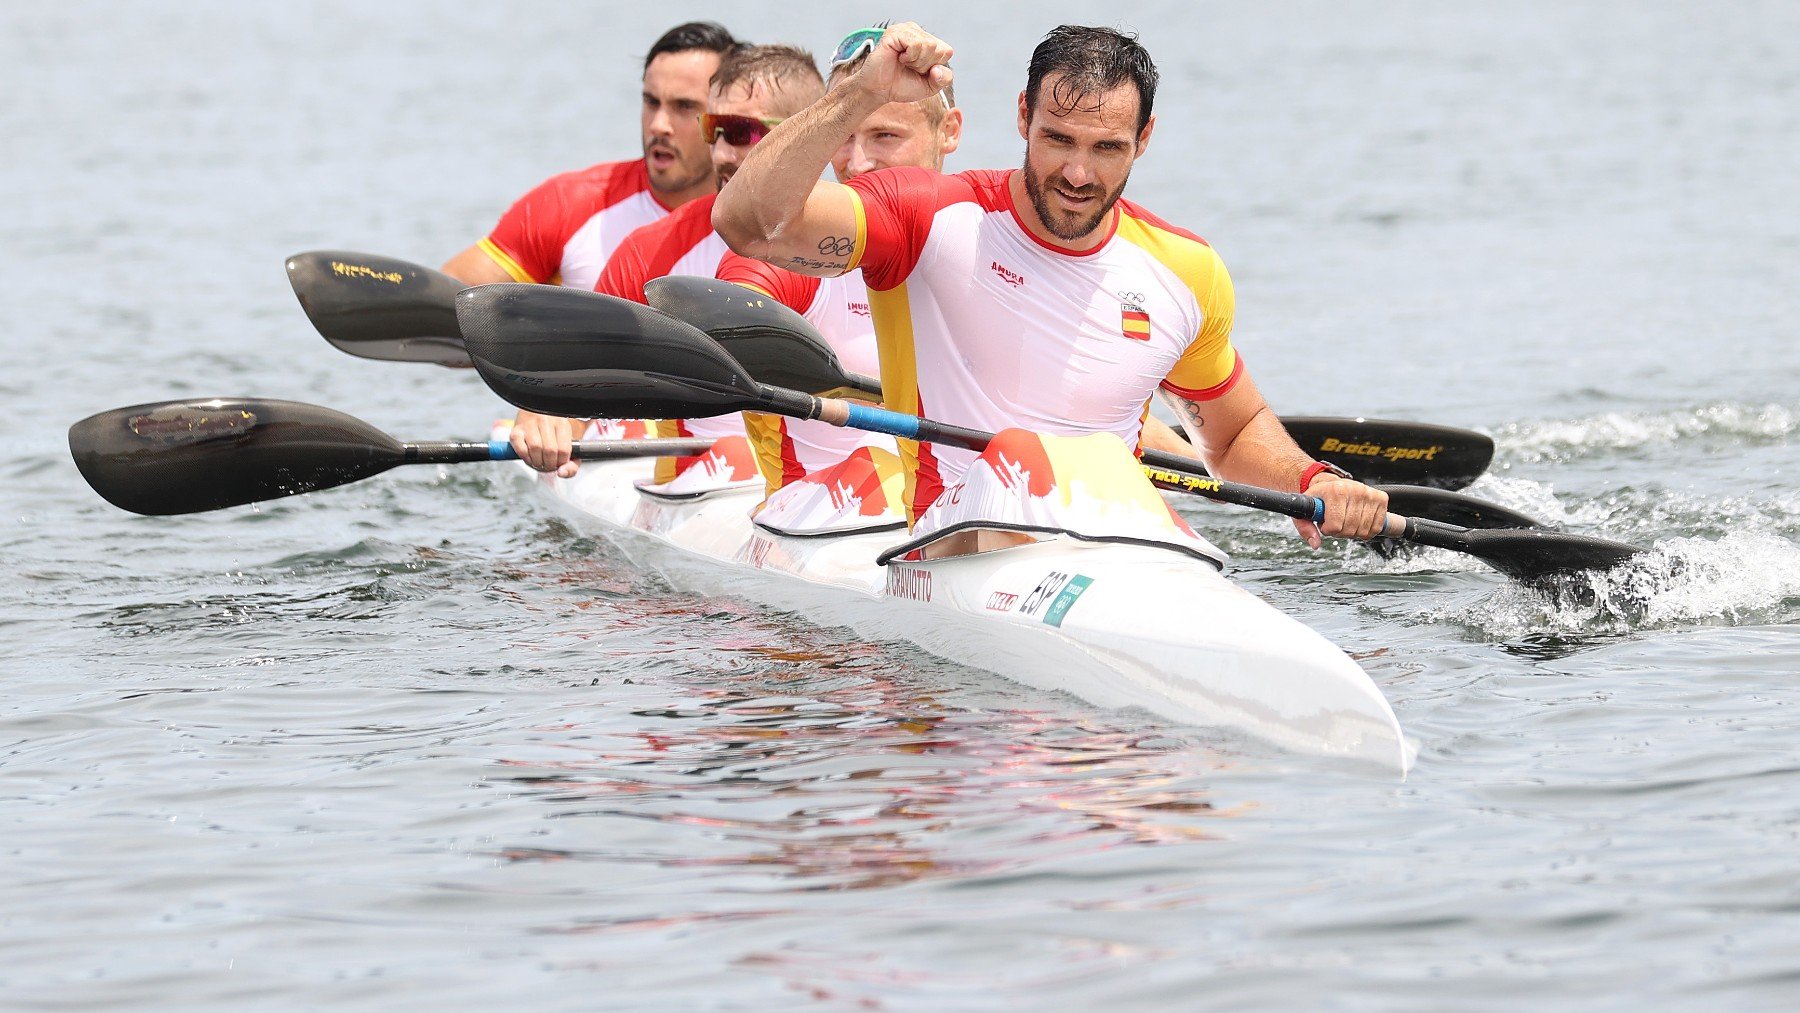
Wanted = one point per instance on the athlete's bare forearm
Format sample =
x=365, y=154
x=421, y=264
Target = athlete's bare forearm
x=1263, y=454
x=1241, y=440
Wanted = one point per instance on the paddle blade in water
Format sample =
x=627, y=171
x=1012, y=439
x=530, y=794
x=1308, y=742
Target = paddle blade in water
x=1527, y=554
x=1535, y=554
x=776, y=345
x=379, y=307
x=179, y=457
x=1382, y=451
x=558, y=351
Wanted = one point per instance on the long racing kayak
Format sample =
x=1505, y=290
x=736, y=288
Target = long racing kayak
x=1117, y=625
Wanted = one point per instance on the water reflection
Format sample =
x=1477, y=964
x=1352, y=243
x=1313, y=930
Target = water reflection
x=829, y=768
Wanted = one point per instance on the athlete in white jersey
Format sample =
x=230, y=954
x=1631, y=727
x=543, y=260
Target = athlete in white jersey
x=1033, y=297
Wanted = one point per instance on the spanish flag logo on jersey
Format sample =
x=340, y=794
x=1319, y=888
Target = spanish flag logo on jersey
x=1134, y=322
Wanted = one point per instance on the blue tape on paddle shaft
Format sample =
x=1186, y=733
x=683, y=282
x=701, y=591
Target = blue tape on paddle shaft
x=1318, y=510
x=501, y=450
x=880, y=420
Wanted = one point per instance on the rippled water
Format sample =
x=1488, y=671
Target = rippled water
x=420, y=741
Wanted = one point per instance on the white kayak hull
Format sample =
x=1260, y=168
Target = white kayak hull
x=1115, y=625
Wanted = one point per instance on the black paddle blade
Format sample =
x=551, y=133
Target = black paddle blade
x=1381, y=451
x=1535, y=554
x=182, y=457
x=776, y=345
x=1530, y=554
x=557, y=351
x=379, y=307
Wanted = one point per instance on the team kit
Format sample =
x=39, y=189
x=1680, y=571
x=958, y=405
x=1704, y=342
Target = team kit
x=1039, y=298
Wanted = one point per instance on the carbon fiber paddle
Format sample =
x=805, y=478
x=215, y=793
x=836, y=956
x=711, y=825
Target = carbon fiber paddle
x=183, y=457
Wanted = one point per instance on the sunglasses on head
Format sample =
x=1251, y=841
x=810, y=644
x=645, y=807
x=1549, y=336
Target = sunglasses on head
x=861, y=43
x=738, y=131
x=856, y=45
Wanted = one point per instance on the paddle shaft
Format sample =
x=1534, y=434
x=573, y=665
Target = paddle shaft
x=457, y=452
x=1526, y=555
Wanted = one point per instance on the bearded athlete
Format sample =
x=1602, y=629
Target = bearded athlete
x=566, y=229
x=1033, y=298
x=752, y=90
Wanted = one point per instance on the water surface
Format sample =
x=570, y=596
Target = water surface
x=422, y=740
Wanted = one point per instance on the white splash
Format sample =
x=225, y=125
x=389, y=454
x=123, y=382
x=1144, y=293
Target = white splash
x=1532, y=498
x=1741, y=578
x=1562, y=440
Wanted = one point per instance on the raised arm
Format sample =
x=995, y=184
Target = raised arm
x=776, y=208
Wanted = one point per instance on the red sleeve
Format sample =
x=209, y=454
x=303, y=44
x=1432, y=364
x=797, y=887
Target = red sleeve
x=531, y=235
x=630, y=267
x=795, y=291
x=895, y=209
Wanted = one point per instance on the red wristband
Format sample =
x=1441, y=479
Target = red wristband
x=1312, y=471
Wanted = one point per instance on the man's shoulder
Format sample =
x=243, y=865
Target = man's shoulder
x=795, y=291
x=1145, y=218
x=596, y=187
x=1183, y=252
x=988, y=187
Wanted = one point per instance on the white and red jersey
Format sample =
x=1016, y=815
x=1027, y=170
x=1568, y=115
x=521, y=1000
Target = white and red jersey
x=838, y=308
x=565, y=230
x=683, y=242
x=981, y=324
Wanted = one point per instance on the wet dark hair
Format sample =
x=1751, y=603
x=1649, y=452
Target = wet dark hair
x=1090, y=61
x=708, y=35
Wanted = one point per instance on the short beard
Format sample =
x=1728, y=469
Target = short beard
x=677, y=183
x=1035, y=190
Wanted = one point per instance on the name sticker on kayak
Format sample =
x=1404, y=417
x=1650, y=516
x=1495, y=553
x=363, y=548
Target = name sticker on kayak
x=1065, y=599
x=908, y=582
x=1055, y=595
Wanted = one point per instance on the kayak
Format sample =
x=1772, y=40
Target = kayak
x=1116, y=625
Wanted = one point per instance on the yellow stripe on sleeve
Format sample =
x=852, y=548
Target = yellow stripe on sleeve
x=507, y=264
x=862, y=229
x=899, y=373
